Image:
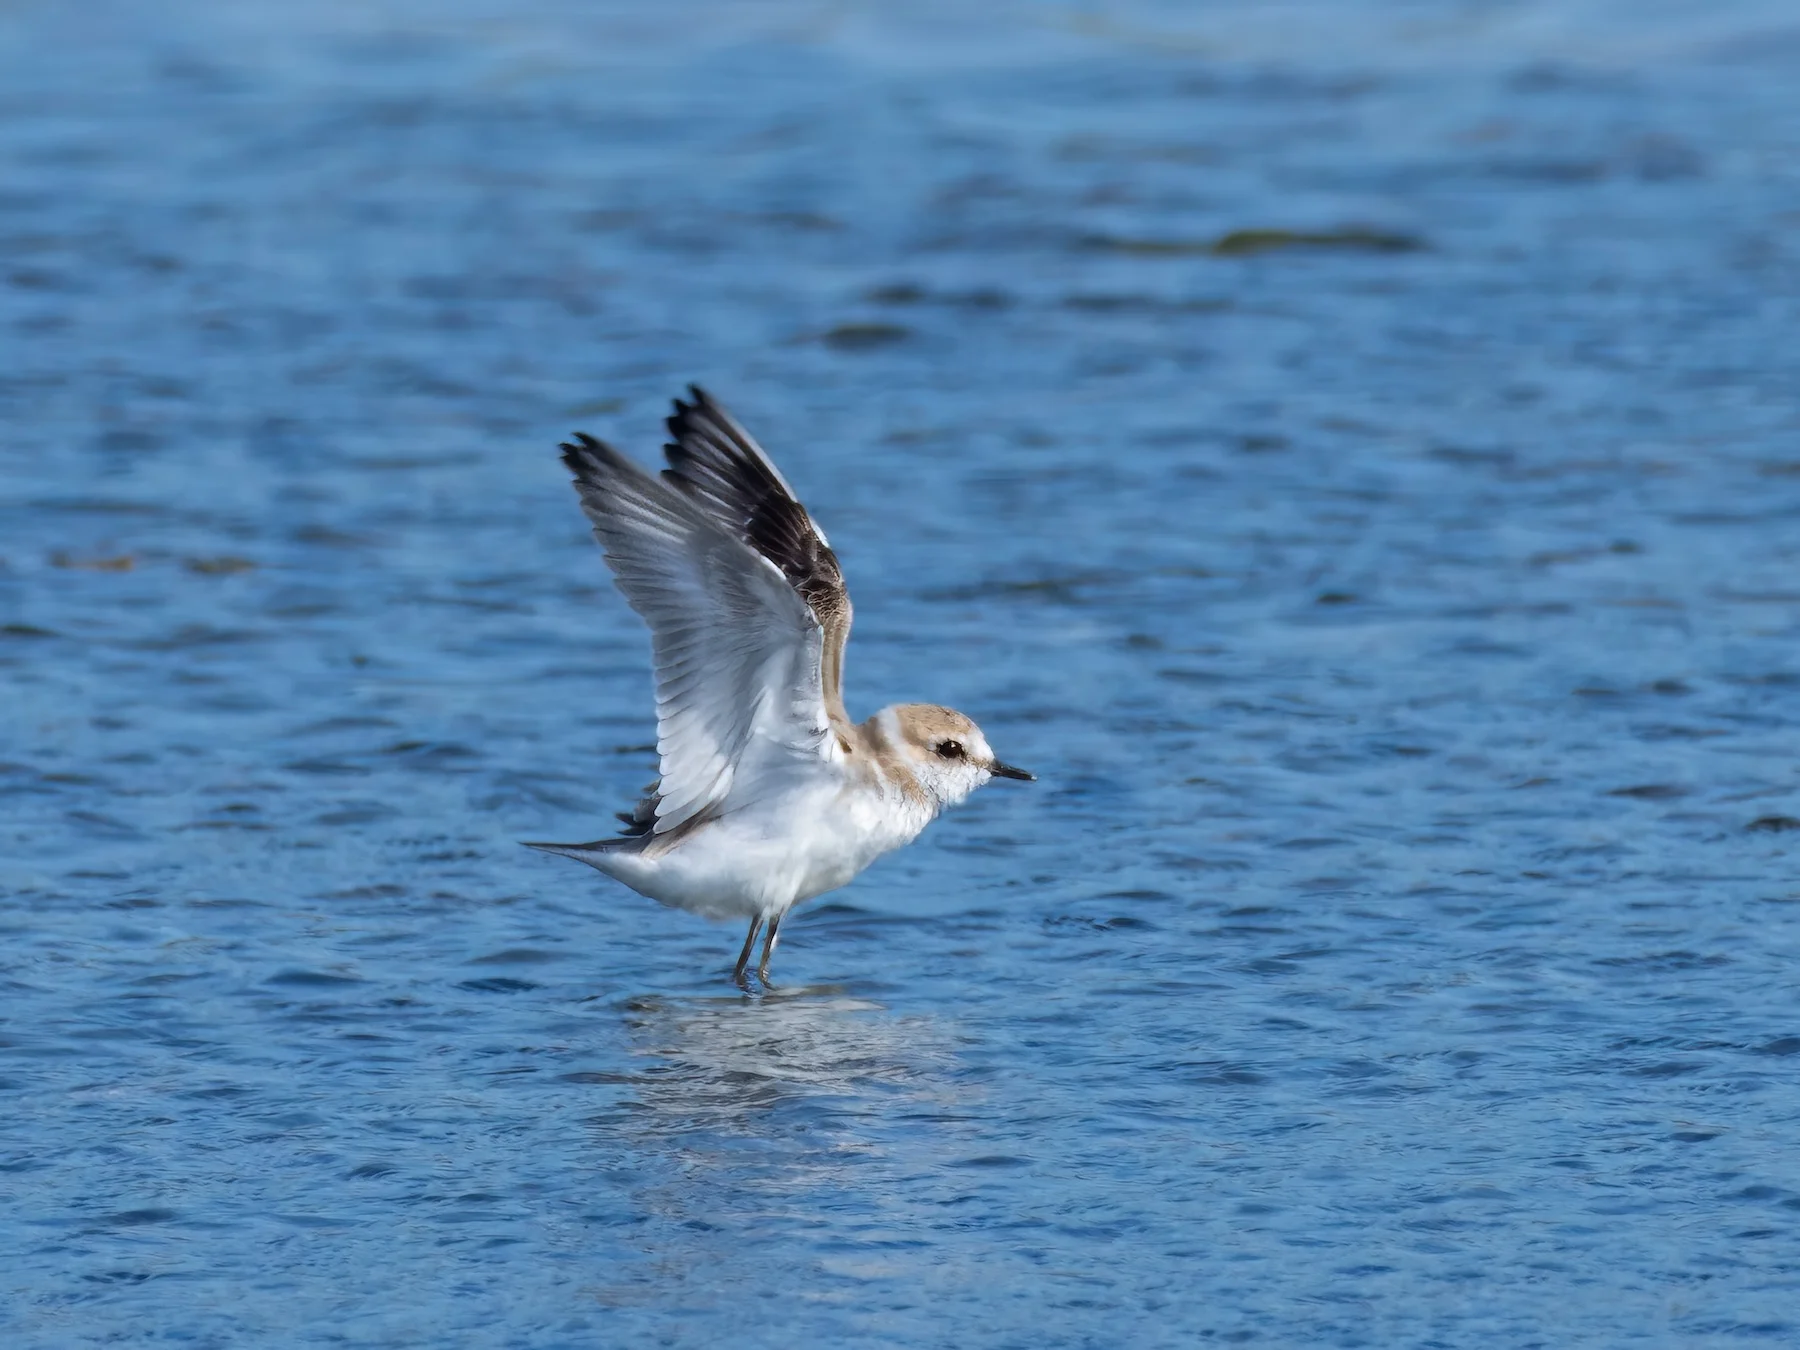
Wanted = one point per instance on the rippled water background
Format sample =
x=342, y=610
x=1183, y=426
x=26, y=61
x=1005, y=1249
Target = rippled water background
x=1400, y=612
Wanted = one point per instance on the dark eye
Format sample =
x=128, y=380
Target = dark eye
x=950, y=749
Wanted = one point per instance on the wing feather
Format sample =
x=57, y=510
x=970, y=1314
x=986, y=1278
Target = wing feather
x=717, y=465
x=737, y=651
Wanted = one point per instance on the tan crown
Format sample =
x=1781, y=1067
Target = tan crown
x=924, y=725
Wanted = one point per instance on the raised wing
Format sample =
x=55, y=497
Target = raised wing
x=737, y=651
x=716, y=464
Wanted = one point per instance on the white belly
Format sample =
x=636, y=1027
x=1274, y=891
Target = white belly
x=768, y=858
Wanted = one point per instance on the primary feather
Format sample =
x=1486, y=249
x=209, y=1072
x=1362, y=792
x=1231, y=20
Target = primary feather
x=718, y=465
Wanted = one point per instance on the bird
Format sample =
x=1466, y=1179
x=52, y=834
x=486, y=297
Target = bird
x=768, y=794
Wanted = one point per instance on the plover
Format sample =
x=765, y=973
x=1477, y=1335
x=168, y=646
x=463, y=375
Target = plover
x=769, y=794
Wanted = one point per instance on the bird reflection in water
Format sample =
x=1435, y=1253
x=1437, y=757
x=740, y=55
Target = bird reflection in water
x=720, y=1061
x=750, y=1118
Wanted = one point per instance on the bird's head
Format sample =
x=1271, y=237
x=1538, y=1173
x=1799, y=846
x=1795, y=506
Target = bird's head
x=945, y=751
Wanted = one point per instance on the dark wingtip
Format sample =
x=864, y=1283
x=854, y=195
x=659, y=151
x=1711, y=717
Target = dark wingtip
x=677, y=421
x=584, y=455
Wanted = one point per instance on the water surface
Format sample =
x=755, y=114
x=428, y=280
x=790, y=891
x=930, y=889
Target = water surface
x=1347, y=451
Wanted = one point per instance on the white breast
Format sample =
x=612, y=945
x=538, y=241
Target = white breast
x=771, y=856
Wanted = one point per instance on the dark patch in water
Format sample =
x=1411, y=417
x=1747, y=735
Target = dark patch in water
x=1248, y=243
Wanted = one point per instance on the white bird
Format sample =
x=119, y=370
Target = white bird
x=769, y=794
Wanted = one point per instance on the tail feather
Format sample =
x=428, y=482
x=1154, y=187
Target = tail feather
x=581, y=852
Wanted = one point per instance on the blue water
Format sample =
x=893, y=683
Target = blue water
x=1400, y=612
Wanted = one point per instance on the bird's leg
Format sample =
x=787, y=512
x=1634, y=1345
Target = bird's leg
x=762, y=969
x=743, y=963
